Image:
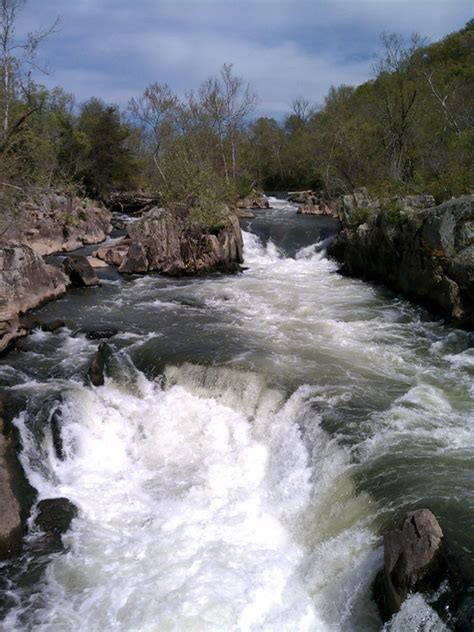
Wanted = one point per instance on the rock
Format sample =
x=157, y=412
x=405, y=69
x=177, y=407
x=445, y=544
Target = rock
x=16, y=495
x=255, y=200
x=303, y=197
x=426, y=254
x=96, y=333
x=414, y=560
x=95, y=262
x=56, y=424
x=55, y=515
x=26, y=282
x=98, y=365
x=51, y=326
x=80, y=271
x=113, y=254
x=174, y=244
x=135, y=261
x=315, y=209
x=243, y=213
x=55, y=222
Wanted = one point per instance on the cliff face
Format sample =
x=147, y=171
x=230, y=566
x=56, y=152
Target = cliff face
x=425, y=253
x=26, y=281
x=164, y=242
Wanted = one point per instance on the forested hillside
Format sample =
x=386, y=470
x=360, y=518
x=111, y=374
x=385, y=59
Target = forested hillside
x=411, y=128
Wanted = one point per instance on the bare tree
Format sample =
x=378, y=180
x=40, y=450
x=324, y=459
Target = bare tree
x=228, y=101
x=398, y=95
x=17, y=60
x=302, y=110
x=156, y=109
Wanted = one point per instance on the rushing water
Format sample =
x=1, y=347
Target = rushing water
x=257, y=434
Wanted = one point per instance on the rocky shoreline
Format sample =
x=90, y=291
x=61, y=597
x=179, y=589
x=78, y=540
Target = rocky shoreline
x=423, y=251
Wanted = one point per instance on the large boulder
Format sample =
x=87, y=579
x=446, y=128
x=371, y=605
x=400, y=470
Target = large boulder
x=49, y=222
x=16, y=495
x=26, y=282
x=425, y=253
x=80, y=271
x=174, y=244
x=414, y=560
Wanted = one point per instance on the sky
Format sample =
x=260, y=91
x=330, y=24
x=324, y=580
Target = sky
x=113, y=49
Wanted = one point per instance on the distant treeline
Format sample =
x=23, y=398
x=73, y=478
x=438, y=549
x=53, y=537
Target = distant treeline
x=411, y=128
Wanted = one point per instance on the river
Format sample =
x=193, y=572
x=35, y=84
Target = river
x=257, y=435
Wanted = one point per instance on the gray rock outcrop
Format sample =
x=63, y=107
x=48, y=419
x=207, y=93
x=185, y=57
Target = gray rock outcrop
x=52, y=222
x=255, y=200
x=26, y=282
x=414, y=560
x=425, y=253
x=165, y=242
x=16, y=495
x=80, y=271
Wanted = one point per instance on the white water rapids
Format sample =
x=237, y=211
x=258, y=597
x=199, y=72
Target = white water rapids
x=215, y=499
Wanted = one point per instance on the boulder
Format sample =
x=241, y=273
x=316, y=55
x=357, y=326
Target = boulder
x=425, y=253
x=256, y=200
x=16, y=495
x=80, y=271
x=56, y=222
x=96, y=333
x=54, y=515
x=244, y=213
x=303, y=197
x=175, y=244
x=50, y=326
x=26, y=282
x=56, y=425
x=98, y=365
x=414, y=560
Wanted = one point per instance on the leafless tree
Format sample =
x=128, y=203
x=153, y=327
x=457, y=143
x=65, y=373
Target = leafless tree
x=398, y=95
x=228, y=101
x=156, y=109
x=17, y=61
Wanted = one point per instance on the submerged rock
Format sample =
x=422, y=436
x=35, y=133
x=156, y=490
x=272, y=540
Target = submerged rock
x=55, y=515
x=80, y=271
x=26, y=282
x=162, y=241
x=425, y=253
x=50, y=326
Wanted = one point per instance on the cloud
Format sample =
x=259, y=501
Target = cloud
x=114, y=48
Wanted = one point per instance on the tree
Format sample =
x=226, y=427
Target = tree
x=17, y=59
x=156, y=111
x=228, y=102
x=398, y=91
x=106, y=163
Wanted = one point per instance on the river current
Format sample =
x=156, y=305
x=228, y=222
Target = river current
x=256, y=435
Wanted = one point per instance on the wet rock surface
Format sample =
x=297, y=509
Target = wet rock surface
x=96, y=372
x=80, y=271
x=55, y=515
x=16, y=495
x=26, y=282
x=425, y=253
